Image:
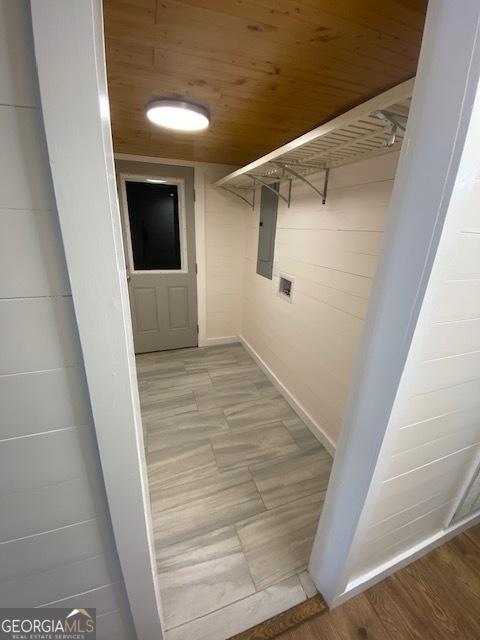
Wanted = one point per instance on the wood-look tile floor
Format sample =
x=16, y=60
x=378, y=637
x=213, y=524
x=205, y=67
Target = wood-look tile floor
x=237, y=482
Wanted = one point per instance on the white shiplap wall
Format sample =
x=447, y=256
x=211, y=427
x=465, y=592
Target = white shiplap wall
x=56, y=545
x=433, y=437
x=225, y=218
x=331, y=251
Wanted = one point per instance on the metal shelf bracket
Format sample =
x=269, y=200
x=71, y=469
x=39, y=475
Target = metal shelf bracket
x=250, y=203
x=291, y=171
x=393, y=121
x=269, y=186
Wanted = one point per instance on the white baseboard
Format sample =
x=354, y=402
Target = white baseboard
x=210, y=342
x=367, y=580
x=314, y=427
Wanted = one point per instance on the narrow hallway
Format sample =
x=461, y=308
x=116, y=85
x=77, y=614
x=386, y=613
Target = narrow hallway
x=236, y=481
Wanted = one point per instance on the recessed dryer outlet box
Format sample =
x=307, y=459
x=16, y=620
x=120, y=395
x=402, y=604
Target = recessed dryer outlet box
x=285, y=287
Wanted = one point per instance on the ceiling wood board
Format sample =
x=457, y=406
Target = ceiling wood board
x=267, y=70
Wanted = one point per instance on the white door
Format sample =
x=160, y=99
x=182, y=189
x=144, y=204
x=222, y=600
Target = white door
x=159, y=231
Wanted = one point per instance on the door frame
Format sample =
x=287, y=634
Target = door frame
x=76, y=116
x=90, y=222
x=424, y=181
x=182, y=221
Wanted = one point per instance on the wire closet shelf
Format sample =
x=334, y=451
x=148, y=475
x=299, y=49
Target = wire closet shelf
x=373, y=128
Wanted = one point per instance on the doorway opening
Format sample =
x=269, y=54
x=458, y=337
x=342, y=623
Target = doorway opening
x=236, y=479
x=238, y=436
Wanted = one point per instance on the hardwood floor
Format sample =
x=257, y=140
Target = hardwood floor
x=237, y=483
x=435, y=598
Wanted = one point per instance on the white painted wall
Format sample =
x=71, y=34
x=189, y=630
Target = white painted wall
x=433, y=436
x=225, y=230
x=56, y=544
x=331, y=251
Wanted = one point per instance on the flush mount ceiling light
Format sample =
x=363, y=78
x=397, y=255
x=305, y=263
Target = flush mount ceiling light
x=155, y=181
x=178, y=114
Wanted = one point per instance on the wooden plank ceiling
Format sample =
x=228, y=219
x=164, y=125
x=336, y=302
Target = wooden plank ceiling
x=268, y=70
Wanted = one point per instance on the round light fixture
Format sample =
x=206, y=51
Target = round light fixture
x=178, y=114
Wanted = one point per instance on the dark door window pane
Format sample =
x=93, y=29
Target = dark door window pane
x=154, y=225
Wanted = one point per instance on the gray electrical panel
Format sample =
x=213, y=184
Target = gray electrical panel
x=266, y=232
